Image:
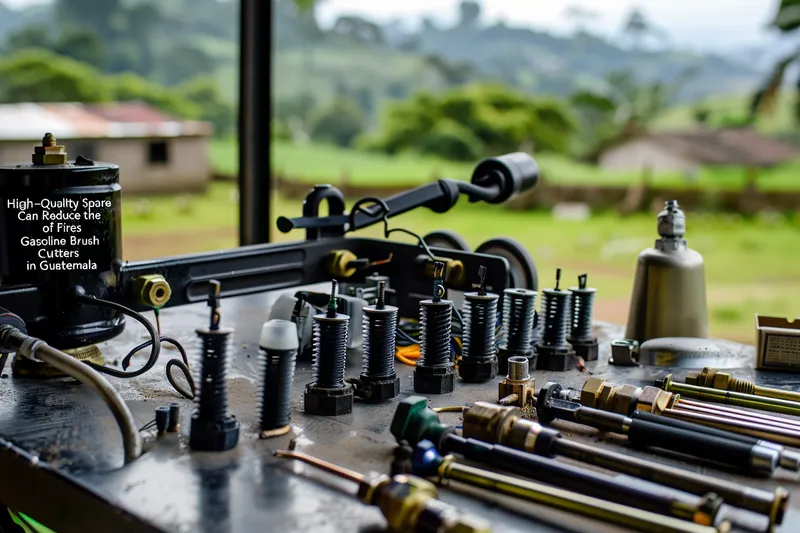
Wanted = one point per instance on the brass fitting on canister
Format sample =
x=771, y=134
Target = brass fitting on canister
x=152, y=290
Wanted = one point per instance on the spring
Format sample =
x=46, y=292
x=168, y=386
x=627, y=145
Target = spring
x=581, y=313
x=212, y=401
x=555, y=304
x=480, y=318
x=276, y=394
x=518, y=313
x=330, y=350
x=435, y=322
x=379, y=333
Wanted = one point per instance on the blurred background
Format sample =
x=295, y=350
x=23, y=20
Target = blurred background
x=624, y=105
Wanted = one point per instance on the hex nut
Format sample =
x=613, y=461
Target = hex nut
x=478, y=370
x=653, y=400
x=721, y=381
x=328, y=402
x=706, y=378
x=434, y=379
x=375, y=390
x=693, y=378
x=605, y=397
x=623, y=399
x=213, y=436
x=152, y=290
x=590, y=393
x=586, y=350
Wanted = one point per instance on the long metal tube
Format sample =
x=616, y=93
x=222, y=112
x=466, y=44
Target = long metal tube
x=39, y=350
x=572, y=502
x=786, y=437
x=747, y=416
x=739, y=399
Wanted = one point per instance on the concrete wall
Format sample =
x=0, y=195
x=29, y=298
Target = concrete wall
x=642, y=154
x=187, y=169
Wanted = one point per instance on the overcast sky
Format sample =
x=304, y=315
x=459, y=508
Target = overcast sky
x=701, y=24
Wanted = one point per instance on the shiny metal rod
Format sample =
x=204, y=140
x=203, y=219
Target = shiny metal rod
x=738, y=414
x=729, y=397
x=781, y=436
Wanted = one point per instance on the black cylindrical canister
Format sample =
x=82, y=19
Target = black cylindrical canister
x=60, y=228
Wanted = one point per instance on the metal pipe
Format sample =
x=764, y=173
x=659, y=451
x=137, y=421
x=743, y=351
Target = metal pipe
x=38, y=350
x=255, y=121
x=713, y=378
x=747, y=416
x=572, y=502
x=730, y=398
x=781, y=436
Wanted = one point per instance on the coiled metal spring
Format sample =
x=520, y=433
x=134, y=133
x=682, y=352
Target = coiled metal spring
x=330, y=350
x=480, y=318
x=276, y=395
x=518, y=311
x=212, y=397
x=555, y=317
x=581, y=310
x=435, y=321
x=379, y=334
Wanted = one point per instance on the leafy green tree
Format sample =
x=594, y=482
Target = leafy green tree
x=33, y=36
x=183, y=62
x=42, y=76
x=787, y=21
x=451, y=140
x=82, y=45
x=131, y=87
x=204, y=92
x=338, y=123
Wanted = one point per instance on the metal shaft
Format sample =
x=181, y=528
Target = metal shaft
x=713, y=378
x=781, y=436
x=739, y=399
x=738, y=414
x=605, y=511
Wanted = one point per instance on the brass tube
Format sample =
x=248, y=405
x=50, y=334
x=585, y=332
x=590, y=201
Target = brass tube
x=774, y=434
x=734, y=398
x=572, y=502
x=745, y=416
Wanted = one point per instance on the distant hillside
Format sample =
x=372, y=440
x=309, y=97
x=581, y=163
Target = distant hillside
x=732, y=106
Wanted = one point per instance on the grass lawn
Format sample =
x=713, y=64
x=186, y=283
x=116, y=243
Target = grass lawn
x=751, y=266
x=315, y=163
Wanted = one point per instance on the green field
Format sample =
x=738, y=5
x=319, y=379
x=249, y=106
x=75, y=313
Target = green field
x=751, y=265
x=314, y=163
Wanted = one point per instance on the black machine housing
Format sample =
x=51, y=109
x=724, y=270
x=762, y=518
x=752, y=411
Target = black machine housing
x=46, y=300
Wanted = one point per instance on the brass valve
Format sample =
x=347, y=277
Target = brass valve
x=518, y=387
x=624, y=399
x=152, y=290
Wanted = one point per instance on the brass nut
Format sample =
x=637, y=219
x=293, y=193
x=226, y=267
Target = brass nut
x=590, y=393
x=706, y=378
x=653, y=400
x=605, y=397
x=721, y=381
x=524, y=390
x=623, y=398
x=338, y=261
x=693, y=378
x=152, y=290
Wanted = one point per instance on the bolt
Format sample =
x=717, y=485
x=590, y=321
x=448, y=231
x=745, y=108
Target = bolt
x=435, y=372
x=517, y=330
x=278, y=344
x=580, y=337
x=553, y=352
x=479, y=352
x=378, y=380
x=213, y=429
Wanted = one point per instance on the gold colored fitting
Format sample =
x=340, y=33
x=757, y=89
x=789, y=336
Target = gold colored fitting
x=338, y=261
x=152, y=290
x=488, y=422
x=590, y=393
x=454, y=273
x=713, y=378
x=654, y=400
x=622, y=399
x=49, y=153
x=523, y=389
x=24, y=367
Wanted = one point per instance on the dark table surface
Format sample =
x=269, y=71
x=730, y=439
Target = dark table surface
x=169, y=488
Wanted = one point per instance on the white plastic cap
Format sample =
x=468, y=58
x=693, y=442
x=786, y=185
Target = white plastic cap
x=278, y=334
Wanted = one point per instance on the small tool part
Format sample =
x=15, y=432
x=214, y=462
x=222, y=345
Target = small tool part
x=518, y=388
x=279, y=345
x=777, y=344
x=50, y=152
x=162, y=419
x=713, y=378
x=213, y=429
x=624, y=352
x=328, y=394
x=581, y=312
x=553, y=352
x=774, y=405
x=429, y=463
x=435, y=371
x=645, y=434
x=415, y=421
x=519, y=308
x=669, y=289
x=174, y=417
x=701, y=510
x=401, y=464
x=378, y=380
x=635, y=401
x=478, y=362
x=408, y=503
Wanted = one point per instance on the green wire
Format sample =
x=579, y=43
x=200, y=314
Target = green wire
x=28, y=524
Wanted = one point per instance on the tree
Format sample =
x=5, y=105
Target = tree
x=42, y=76
x=453, y=74
x=338, y=123
x=33, y=36
x=787, y=21
x=82, y=45
x=204, y=92
x=469, y=14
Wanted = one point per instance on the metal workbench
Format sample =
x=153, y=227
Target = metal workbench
x=78, y=482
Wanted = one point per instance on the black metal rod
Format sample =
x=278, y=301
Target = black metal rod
x=255, y=118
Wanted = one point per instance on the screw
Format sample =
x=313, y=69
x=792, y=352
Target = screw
x=517, y=331
x=279, y=345
x=580, y=336
x=435, y=372
x=479, y=352
x=378, y=380
x=553, y=352
x=213, y=429
x=328, y=394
